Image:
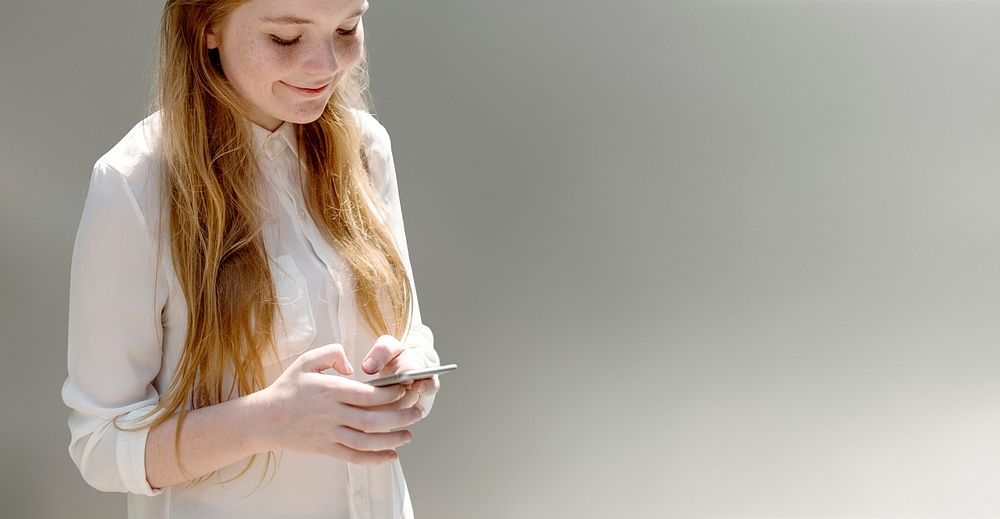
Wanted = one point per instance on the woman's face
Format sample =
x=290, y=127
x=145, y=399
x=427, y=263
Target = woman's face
x=273, y=49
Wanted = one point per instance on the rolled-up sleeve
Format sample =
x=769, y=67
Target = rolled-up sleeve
x=384, y=173
x=114, y=337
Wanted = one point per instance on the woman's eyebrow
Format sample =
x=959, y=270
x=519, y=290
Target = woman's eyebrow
x=294, y=20
x=291, y=20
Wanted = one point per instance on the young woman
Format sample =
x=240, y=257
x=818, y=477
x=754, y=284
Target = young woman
x=240, y=270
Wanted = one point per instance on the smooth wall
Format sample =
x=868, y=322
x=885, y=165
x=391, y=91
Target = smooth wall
x=696, y=259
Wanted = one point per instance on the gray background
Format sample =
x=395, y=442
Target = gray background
x=704, y=260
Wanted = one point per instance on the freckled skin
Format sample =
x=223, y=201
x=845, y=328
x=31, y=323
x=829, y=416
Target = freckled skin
x=260, y=70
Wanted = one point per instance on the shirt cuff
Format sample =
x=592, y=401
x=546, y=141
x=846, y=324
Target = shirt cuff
x=422, y=338
x=131, y=454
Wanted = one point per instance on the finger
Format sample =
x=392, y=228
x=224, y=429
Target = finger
x=357, y=457
x=408, y=400
x=427, y=386
x=357, y=393
x=385, y=349
x=420, y=409
x=325, y=357
x=379, y=421
x=372, y=441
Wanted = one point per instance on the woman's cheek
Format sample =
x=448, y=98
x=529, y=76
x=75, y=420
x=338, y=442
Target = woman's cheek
x=247, y=59
x=351, y=51
x=277, y=57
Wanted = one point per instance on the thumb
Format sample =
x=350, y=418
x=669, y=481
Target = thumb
x=327, y=356
x=386, y=348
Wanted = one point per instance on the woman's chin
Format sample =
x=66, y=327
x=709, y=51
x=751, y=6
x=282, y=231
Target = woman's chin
x=303, y=115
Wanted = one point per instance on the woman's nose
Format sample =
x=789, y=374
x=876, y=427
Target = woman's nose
x=322, y=61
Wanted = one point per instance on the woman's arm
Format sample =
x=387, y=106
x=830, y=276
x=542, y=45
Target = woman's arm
x=384, y=172
x=212, y=437
x=114, y=342
x=115, y=353
x=304, y=410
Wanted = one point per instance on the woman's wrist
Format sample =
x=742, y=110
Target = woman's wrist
x=264, y=421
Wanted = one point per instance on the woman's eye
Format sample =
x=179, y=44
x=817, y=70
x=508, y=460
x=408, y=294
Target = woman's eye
x=284, y=43
x=352, y=31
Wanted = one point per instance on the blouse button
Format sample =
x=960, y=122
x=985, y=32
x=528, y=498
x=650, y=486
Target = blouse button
x=302, y=214
x=359, y=500
x=273, y=147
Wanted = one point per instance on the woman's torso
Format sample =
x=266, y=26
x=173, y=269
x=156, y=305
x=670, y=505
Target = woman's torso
x=316, y=302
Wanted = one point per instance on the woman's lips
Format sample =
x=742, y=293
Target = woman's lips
x=308, y=92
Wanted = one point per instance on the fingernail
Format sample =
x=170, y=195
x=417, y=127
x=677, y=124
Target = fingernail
x=370, y=364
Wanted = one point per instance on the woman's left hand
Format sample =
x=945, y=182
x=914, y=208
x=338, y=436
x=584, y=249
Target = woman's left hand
x=388, y=357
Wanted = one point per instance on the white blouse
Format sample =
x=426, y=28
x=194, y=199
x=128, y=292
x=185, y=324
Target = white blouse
x=128, y=320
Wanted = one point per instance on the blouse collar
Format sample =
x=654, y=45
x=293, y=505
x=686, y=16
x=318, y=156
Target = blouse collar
x=270, y=143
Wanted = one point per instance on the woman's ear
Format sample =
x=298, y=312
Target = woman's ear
x=211, y=40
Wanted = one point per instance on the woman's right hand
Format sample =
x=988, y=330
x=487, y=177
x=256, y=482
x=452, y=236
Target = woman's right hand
x=310, y=411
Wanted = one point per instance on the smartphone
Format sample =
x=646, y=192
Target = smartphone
x=413, y=374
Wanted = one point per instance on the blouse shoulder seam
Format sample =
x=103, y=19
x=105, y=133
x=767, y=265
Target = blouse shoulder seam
x=133, y=202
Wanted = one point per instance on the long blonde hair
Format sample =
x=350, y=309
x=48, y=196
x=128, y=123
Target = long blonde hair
x=214, y=197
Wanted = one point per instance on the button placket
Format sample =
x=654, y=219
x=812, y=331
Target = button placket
x=357, y=476
x=325, y=254
x=324, y=251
